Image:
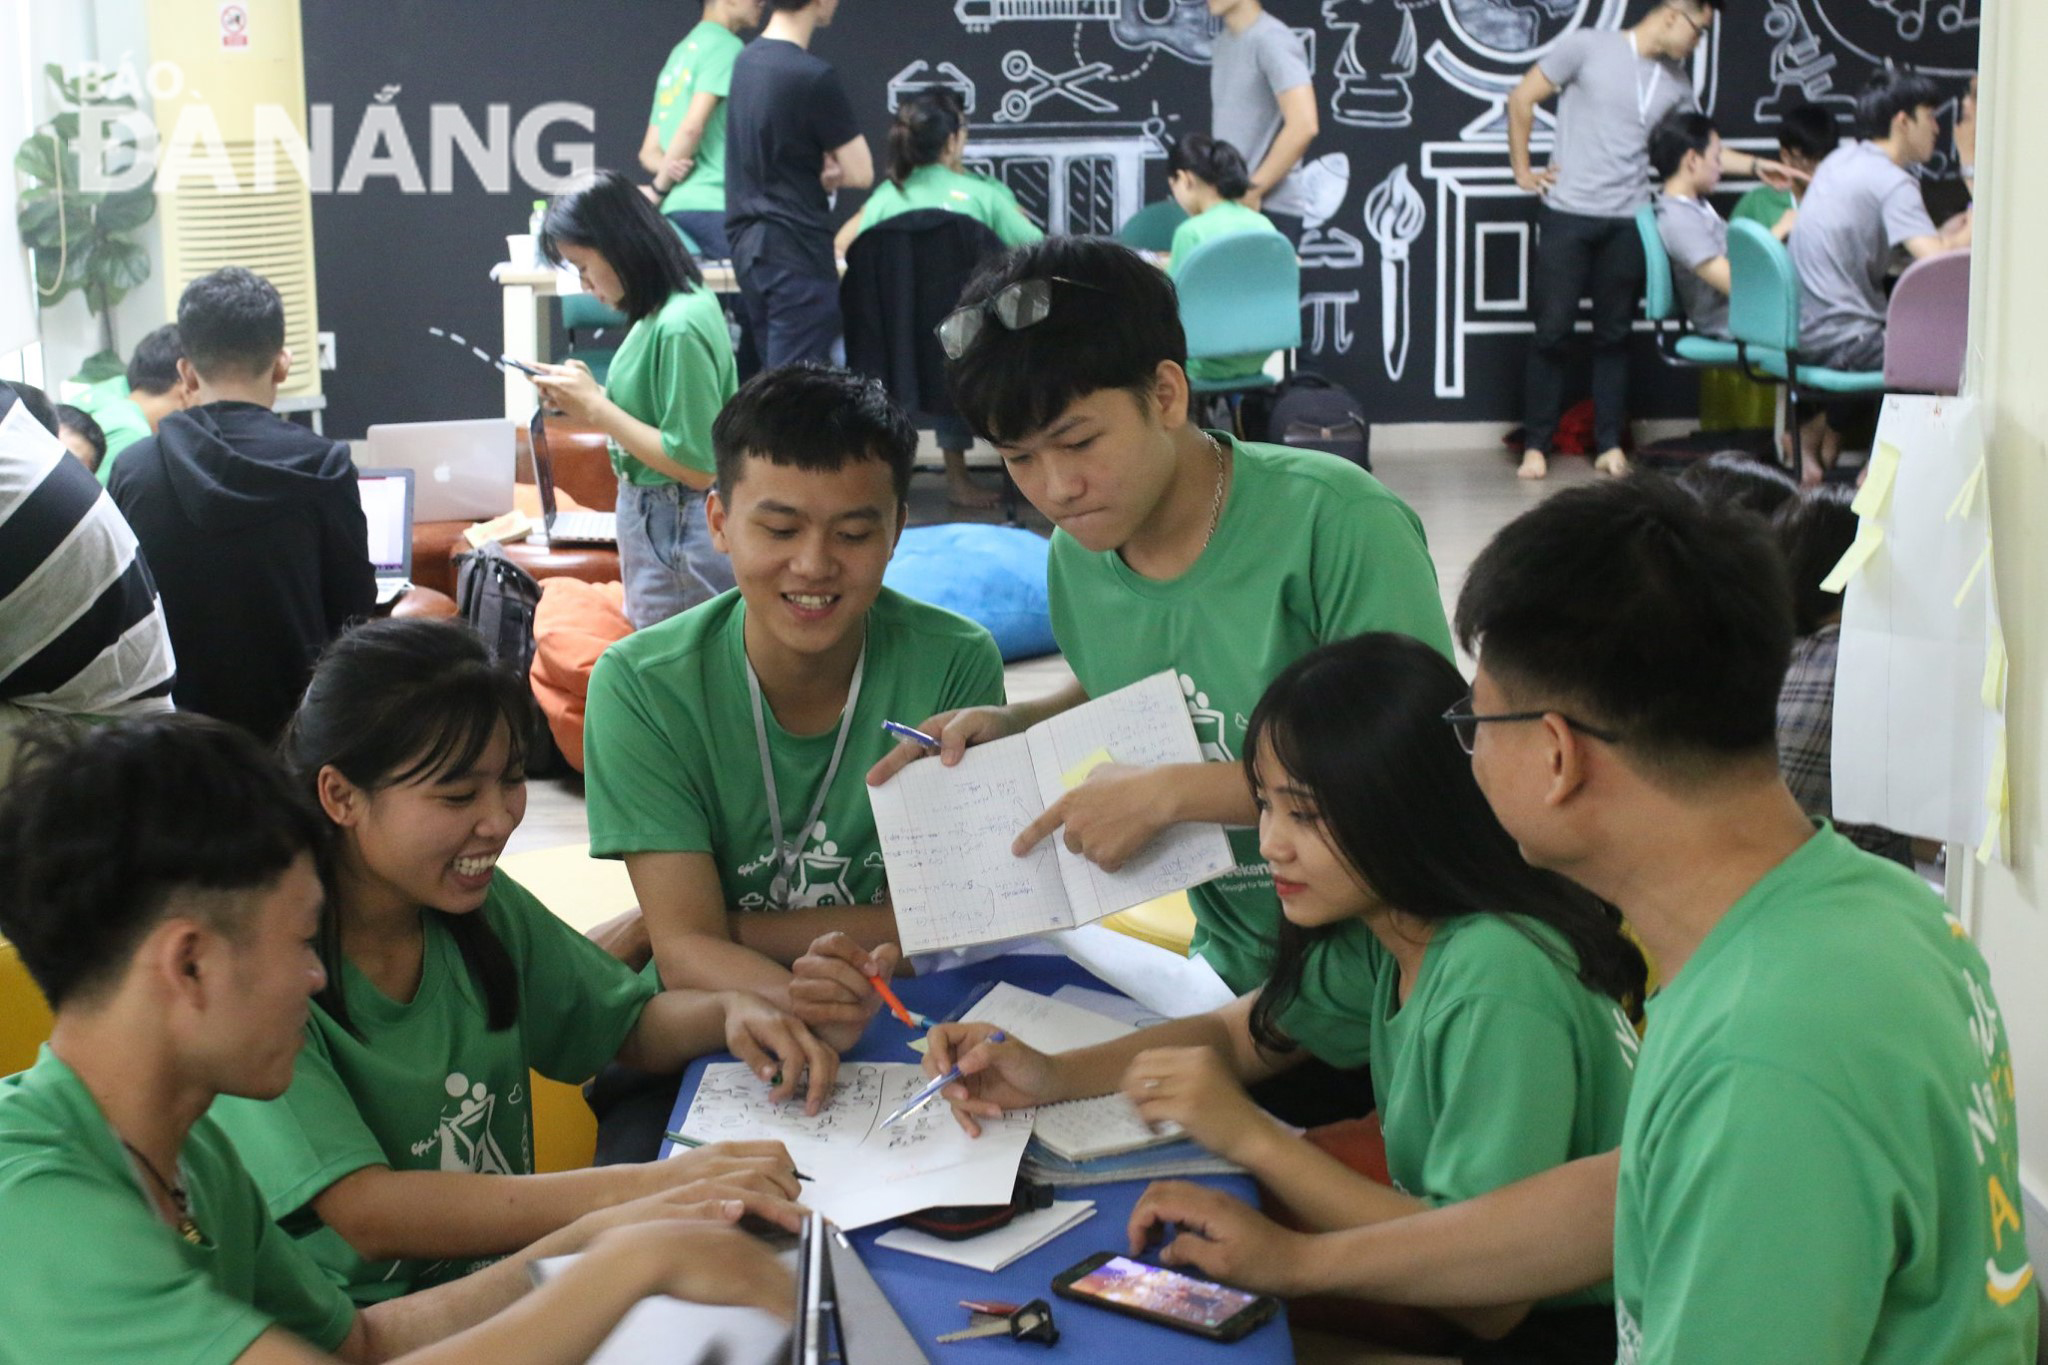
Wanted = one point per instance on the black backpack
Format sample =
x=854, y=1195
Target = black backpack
x=498, y=599
x=1310, y=411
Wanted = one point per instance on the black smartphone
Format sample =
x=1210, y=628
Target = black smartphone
x=1167, y=1297
x=507, y=362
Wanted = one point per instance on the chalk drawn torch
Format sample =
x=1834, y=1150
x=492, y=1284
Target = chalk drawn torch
x=1394, y=216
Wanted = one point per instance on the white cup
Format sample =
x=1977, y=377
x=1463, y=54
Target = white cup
x=519, y=250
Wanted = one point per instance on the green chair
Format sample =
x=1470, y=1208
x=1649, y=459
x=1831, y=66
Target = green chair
x=1151, y=228
x=1763, y=313
x=1239, y=295
x=1677, y=341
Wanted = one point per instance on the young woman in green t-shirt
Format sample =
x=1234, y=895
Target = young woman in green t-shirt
x=672, y=372
x=1208, y=179
x=402, y=1153
x=1484, y=992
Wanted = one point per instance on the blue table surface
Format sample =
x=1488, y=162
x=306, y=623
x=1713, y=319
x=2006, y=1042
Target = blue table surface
x=927, y=1293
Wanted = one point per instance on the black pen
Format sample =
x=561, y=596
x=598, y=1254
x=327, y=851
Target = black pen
x=681, y=1141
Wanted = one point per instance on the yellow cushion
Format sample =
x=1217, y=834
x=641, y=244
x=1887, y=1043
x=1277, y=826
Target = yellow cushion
x=564, y=1129
x=1168, y=922
x=24, y=1018
x=581, y=890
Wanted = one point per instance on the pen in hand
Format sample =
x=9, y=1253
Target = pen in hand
x=681, y=1141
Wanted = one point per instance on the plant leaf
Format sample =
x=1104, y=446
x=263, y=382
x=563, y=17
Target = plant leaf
x=117, y=266
x=37, y=158
x=101, y=365
x=128, y=210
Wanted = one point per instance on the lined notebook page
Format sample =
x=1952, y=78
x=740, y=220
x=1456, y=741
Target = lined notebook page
x=1082, y=1130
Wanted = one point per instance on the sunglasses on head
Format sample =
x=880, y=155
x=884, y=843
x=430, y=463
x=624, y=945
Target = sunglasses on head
x=1016, y=306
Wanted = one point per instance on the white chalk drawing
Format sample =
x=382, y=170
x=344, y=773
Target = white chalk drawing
x=1479, y=68
x=919, y=77
x=1329, y=313
x=1078, y=178
x=1513, y=30
x=1394, y=217
x=1180, y=28
x=1321, y=186
x=1372, y=70
x=1036, y=85
x=1937, y=37
x=1802, y=71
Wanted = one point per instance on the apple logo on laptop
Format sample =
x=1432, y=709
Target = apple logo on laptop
x=443, y=474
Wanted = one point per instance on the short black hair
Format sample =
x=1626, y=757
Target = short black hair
x=1815, y=530
x=1734, y=479
x=101, y=827
x=813, y=417
x=1678, y=132
x=788, y=6
x=606, y=213
x=1812, y=130
x=1212, y=161
x=1681, y=650
x=34, y=399
x=1891, y=91
x=231, y=323
x=81, y=421
x=1109, y=329
x=153, y=368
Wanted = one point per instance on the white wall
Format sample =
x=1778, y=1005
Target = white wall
x=2009, y=342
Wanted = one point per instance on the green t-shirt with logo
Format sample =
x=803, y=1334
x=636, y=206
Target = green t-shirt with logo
x=89, y=1272
x=426, y=1085
x=980, y=197
x=1763, y=205
x=1500, y=1064
x=1226, y=219
x=674, y=371
x=672, y=764
x=1821, y=1157
x=123, y=423
x=701, y=64
x=1309, y=549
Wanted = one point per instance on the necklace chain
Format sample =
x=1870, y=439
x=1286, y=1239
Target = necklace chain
x=182, y=1202
x=1216, y=503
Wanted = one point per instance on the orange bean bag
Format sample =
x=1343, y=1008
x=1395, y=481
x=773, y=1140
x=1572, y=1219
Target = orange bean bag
x=573, y=624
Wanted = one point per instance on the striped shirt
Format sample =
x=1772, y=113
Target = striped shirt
x=1806, y=741
x=81, y=625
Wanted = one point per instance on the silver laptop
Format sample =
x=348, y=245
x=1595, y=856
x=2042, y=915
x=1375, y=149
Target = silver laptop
x=462, y=471
x=387, y=507
x=565, y=528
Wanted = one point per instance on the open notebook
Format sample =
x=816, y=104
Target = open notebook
x=946, y=832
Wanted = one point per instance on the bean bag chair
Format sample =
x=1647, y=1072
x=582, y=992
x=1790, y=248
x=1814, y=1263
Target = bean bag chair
x=574, y=623
x=994, y=575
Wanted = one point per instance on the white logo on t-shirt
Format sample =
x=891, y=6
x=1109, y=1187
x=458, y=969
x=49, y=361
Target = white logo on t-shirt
x=1209, y=723
x=1628, y=1338
x=463, y=1131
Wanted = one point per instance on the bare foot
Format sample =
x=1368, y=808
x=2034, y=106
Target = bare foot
x=1613, y=463
x=1534, y=466
x=1810, y=471
x=962, y=491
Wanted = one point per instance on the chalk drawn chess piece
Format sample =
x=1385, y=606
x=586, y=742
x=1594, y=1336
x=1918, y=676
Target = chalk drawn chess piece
x=1321, y=185
x=1373, y=78
x=1394, y=218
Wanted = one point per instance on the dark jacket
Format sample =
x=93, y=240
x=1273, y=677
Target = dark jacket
x=254, y=530
x=903, y=276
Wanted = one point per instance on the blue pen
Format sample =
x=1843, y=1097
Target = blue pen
x=930, y=1092
x=909, y=732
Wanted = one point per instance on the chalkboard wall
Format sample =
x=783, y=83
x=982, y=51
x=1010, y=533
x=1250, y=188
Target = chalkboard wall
x=1416, y=276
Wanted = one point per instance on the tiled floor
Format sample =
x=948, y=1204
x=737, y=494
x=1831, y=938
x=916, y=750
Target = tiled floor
x=1463, y=497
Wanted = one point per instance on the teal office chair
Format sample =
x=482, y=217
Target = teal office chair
x=1151, y=228
x=1240, y=295
x=1676, y=340
x=1763, y=312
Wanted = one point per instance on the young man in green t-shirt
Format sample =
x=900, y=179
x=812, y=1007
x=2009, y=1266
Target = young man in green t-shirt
x=685, y=145
x=1176, y=548
x=725, y=747
x=175, y=946
x=1819, y=1162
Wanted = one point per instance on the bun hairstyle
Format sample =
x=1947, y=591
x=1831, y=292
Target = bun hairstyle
x=925, y=123
x=1213, y=162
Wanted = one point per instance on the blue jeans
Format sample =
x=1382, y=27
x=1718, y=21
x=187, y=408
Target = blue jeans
x=794, y=316
x=666, y=557
x=707, y=229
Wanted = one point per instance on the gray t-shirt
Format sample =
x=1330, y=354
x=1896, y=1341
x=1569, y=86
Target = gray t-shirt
x=1248, y=73
x=1859, y=207
x=1694, y=234
x=1611, y=98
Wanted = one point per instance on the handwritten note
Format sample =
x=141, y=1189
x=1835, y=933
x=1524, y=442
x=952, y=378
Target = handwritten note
x=946, y=833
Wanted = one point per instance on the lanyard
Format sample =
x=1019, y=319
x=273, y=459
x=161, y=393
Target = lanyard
x=787, y=853
x=1644, y=98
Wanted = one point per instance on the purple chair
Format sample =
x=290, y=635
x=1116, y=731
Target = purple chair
x=1927, y=327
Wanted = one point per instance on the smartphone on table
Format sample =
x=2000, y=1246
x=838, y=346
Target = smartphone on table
x=1167, y=1297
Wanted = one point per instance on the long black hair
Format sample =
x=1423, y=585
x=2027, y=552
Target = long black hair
x=399, y=701
x=925, y=123
x=606, y=213
x=1358, y=724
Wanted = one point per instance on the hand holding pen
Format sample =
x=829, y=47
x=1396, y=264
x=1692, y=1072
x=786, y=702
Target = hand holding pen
x=984, y=1073
x=832, y=986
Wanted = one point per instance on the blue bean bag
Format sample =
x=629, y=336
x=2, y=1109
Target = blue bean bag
x=994, y=575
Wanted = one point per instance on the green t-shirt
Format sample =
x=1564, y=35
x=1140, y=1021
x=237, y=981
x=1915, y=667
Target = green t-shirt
x=1501, y=1063
x=1821, y=1158
x=89, y=1272
x=980, y=197
x=1762, y=205
x=1226, y=219
x=1310, y=549
x=674, y=371
x=701, y=64
x=672, y=765
x=426, y=1086
x=108, y=403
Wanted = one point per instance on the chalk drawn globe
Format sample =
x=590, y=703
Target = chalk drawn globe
x=1513, y=30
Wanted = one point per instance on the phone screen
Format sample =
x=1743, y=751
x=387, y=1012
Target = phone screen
x=1168, y=1293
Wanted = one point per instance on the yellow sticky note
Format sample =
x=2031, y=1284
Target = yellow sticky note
x=1998, y=803
x=1877, y=481
x=1976, y=571
x=1994, y=671
x=1869, y=535
x=920, y=1046
x=1967, y=494
x=1076, y=775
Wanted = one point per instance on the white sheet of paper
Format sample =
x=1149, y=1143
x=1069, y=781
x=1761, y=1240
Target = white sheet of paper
x=992, y=1251
x=1171, y=986
x=861, y=1172
x=1045, y=1023
x=1109, y=1005
x=666, y=1331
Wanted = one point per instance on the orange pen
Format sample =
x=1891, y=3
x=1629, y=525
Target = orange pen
x=897, y=1007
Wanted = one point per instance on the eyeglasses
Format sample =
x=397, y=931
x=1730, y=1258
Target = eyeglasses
x=1465, y=723
x=1699, y=29
x=1017, y=306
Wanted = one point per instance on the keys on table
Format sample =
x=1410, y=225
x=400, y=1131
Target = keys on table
x=1033, y=1322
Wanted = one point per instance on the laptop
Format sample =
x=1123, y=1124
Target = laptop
x=462, y=471
x=387, y=507
x=565, y=528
